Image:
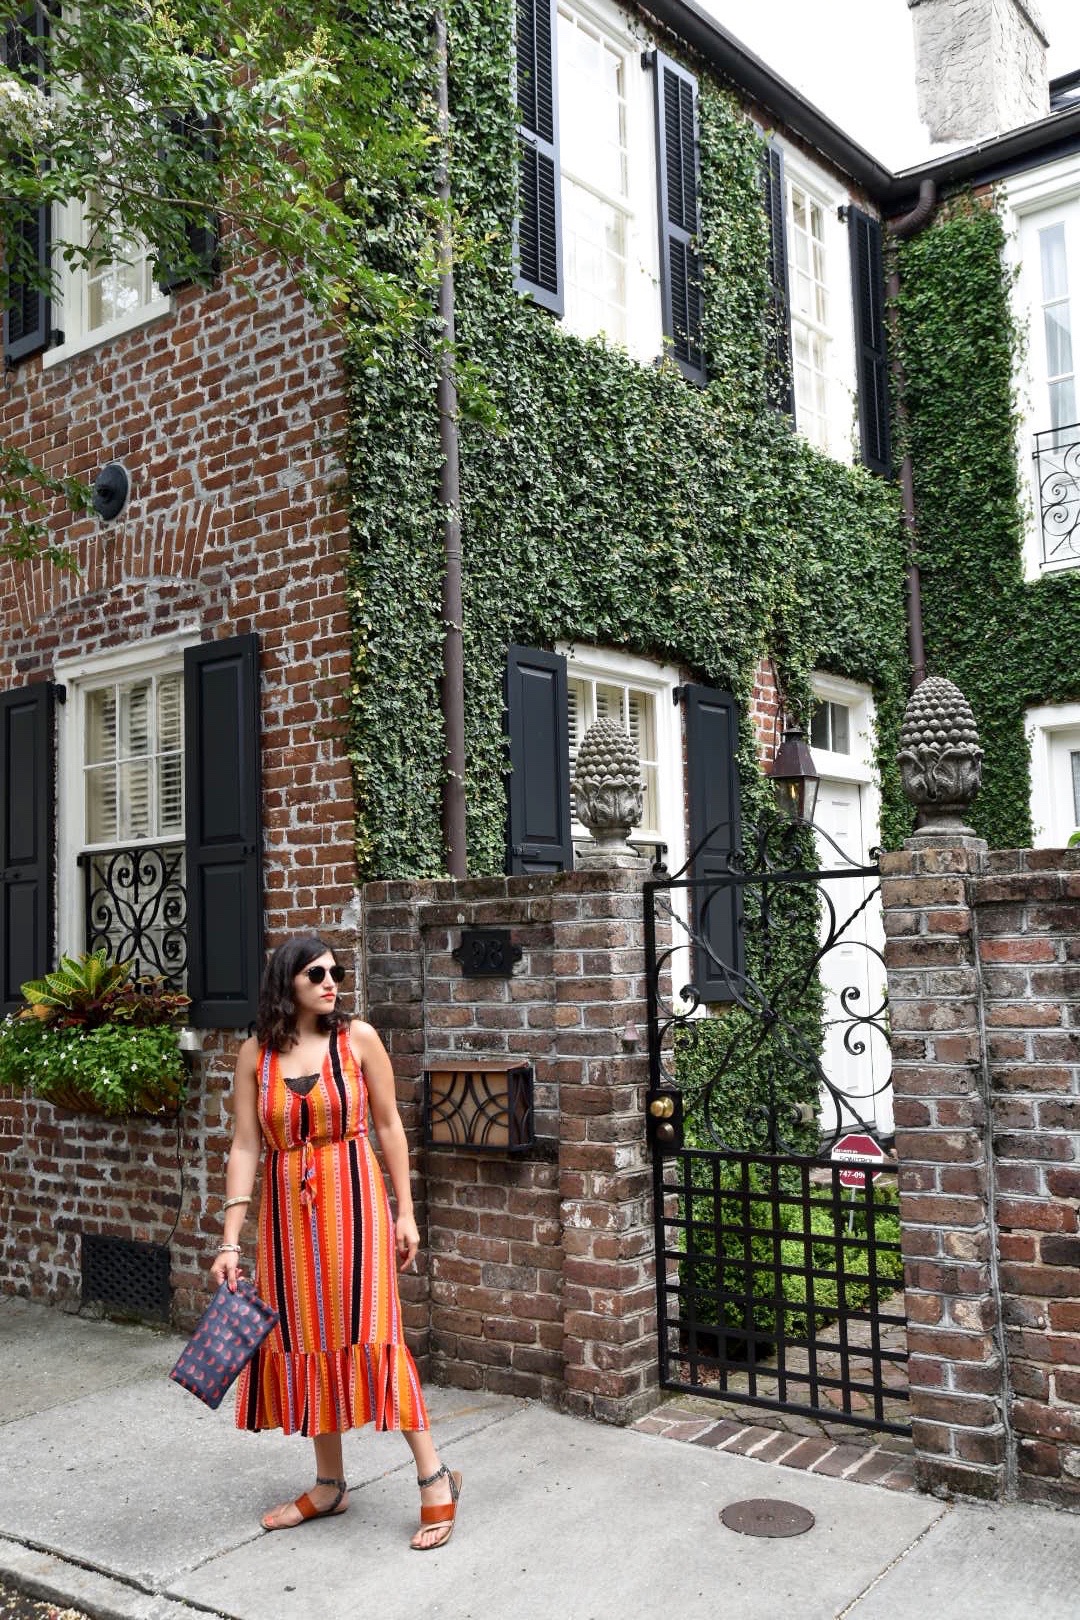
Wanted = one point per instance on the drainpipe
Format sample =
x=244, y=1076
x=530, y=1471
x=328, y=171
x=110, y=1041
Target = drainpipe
x=453, y=675
x=901, y=229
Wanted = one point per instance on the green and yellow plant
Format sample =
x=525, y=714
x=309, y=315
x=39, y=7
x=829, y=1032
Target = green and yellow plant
x=95, y=1039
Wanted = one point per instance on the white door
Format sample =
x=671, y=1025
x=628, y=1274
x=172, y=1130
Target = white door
x=855, y=1055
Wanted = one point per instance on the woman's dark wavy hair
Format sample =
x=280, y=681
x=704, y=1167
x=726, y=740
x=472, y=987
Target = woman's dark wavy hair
x=275, y=1021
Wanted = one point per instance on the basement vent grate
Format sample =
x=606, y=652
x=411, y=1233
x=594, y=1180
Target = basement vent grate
x=125, y=1275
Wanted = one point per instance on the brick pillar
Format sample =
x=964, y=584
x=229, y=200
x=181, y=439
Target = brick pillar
x=609, y=1287
x=958, y=1397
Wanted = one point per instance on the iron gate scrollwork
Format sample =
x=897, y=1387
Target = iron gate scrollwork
x=778, y=1266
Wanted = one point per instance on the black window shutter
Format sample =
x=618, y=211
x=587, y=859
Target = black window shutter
x=781, y=390
x=538, y=229
x=202, y=230
x=224, y=831
x=678, y=186
x=868, y=297
x=538, y=723
x=712, y=727
x=28, y=316
x=27, y=798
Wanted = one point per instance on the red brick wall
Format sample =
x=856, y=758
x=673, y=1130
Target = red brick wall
x=537, y=1276
x=983, y=955
x=226, y=415
x=765, y=711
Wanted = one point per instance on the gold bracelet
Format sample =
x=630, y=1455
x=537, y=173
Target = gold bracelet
x=229, y=1202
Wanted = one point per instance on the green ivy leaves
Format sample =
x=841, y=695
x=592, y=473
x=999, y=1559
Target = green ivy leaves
x=603, y=500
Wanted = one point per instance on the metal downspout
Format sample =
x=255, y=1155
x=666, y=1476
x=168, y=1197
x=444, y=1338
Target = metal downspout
x=906, y=226
x=453, y=673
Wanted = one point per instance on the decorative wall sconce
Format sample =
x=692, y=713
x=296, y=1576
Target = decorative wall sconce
x=794, y=777
x=484, y=1106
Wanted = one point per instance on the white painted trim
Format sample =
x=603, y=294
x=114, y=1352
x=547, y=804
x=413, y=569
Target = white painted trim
x=1043, y=726
x=644, y=321
x=841, y=377
x=77, y=673
x=1052, y=187
x=69, y=310
x=609, y=664
x=859, y=765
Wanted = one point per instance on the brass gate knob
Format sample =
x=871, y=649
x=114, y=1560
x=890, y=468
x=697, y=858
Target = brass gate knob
x=662, y=1107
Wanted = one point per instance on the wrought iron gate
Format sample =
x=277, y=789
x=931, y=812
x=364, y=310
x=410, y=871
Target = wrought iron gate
x=778, y=1243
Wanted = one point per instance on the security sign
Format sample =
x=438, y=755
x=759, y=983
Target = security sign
x=857, y=1148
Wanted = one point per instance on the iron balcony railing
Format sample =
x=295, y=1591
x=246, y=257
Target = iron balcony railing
x=136, y=907
x=1057, y=479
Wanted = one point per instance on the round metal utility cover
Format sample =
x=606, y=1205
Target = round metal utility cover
x=765, y=1516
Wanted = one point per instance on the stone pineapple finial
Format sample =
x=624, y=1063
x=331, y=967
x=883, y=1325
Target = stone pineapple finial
x=940, y=759
x=608, y=786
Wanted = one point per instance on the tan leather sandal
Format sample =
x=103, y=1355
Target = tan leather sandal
x=307, y=1508
x=440, y=1513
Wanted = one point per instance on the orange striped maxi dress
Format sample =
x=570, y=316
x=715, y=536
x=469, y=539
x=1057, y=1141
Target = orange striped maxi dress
x=337, y=1358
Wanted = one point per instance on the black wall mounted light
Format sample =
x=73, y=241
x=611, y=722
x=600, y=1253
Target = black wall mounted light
x=110, y=491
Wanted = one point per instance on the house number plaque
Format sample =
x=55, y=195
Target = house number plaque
x=486, y=953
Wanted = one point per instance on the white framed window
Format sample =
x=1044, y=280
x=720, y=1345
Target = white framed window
x=1053, y=734
x=637, y=695
x=809, y=292
x=608, y=178
x=121, y=807
x=114, y=295
x=1043, y=247
x=842, y=734
x=830, y=726
x=820, y=306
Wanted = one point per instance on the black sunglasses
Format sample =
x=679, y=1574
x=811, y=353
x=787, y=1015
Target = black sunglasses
x=318, y=973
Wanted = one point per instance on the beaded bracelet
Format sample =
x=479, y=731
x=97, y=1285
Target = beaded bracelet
x=230, y=1248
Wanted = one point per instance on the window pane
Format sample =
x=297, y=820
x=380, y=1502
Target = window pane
x=1063, y=403
x=1058, y=341
x=609, y=704
x=1055, y=275
x=841, y=729
x=101, y=725
x=135, y=719
x=592, y=108
x=1074, y=762
x=101, y=813
x=575, y=714
x=170, y=742
x=136, y=819
x=819, y=726
x=134, y=753
x=594, y=252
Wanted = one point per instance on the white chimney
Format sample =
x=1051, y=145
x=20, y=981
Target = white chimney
x=980, y=67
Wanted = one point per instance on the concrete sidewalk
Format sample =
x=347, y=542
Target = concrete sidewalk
x=121, y=1494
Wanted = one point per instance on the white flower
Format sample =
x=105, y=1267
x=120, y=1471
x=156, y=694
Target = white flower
x=25, y=118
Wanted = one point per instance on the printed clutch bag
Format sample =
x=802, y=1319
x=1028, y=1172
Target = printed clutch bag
x=230, y=1331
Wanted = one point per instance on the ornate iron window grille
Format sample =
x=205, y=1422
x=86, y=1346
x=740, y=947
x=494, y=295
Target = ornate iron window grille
x=136, y=907
x=1057, y=476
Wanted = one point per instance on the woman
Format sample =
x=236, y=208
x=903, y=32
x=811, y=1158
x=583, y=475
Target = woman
x=337, y=1359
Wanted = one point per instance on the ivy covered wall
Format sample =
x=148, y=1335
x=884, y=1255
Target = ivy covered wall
x=603, y=500
x=1010, y=644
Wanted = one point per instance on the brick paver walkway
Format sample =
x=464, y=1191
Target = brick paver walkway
x=798, y=1440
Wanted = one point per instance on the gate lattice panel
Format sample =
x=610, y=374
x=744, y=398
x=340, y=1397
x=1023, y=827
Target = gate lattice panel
x=778, y=1266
